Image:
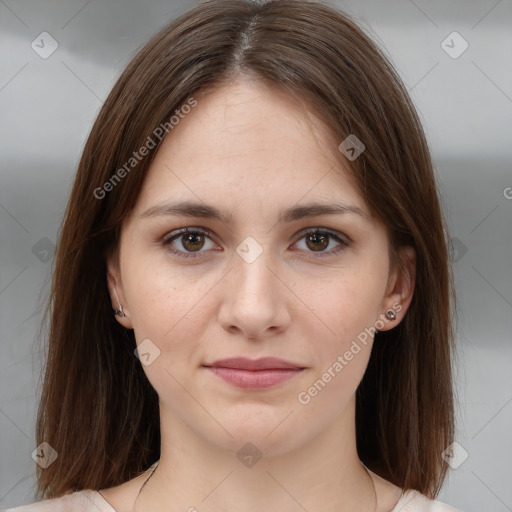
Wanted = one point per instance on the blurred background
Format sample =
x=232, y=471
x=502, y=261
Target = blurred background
x=60, y=59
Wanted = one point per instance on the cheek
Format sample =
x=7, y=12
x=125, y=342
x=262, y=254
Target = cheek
x=346, y=304
x=171, y=311
x=341, y=359
x=166, y=306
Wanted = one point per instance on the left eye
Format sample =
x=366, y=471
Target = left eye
x=317, y=240
x=193, y=240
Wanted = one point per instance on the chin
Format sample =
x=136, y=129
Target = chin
x=268, y=433
x=255, y=442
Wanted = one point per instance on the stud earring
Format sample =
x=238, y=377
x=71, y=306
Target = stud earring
x=119, y=311
x=390, y=314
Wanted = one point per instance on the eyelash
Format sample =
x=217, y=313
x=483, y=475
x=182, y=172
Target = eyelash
x=170, y=237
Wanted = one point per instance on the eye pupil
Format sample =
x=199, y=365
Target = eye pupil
x=194, y=239
x=315, y=238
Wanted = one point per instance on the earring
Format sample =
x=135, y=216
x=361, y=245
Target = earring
x=119, y=311
x=390, y=314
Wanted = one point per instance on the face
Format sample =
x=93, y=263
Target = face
x=260, y=279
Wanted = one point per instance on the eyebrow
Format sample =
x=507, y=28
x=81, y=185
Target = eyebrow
x=191, y=209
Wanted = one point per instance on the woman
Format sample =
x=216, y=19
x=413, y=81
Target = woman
x=257, y=205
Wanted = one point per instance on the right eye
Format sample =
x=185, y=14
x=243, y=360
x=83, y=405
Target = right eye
x=191, y=241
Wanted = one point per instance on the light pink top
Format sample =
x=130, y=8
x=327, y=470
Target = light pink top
x=92, y=501
x=89, y=500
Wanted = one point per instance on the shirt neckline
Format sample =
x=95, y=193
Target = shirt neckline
x=104, y=502
x=406, y=495
x=405, y=499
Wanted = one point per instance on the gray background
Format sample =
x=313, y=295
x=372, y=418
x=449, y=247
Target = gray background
x=47, y=107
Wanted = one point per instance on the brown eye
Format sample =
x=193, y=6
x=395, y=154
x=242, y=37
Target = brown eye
x=188, y=243
x=193, y=241
x=317, y=241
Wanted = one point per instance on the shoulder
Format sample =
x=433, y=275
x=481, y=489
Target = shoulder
x=80, y=501
x=413, y=501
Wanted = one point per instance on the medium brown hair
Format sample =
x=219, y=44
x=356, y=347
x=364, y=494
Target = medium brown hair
x=98, y=409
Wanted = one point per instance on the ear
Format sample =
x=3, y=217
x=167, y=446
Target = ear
x=116, y=292
x=400, y=289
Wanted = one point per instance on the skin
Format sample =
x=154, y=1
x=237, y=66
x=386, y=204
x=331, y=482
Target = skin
x=250, y=150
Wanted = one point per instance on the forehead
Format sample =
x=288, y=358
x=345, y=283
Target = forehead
x=248, y=144
x=246, y=117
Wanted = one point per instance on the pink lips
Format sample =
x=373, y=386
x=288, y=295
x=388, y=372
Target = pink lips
x=254, y=374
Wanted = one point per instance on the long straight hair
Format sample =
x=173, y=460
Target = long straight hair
x=97, y=408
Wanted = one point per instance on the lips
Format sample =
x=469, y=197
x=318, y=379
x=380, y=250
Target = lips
x=257, y=374
x=264, y=363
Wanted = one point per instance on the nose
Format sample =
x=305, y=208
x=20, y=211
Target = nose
x=255, y=299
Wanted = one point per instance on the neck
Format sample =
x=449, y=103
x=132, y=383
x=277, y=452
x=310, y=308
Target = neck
x=323, y=473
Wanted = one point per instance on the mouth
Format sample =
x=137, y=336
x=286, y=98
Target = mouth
x=254, y=374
